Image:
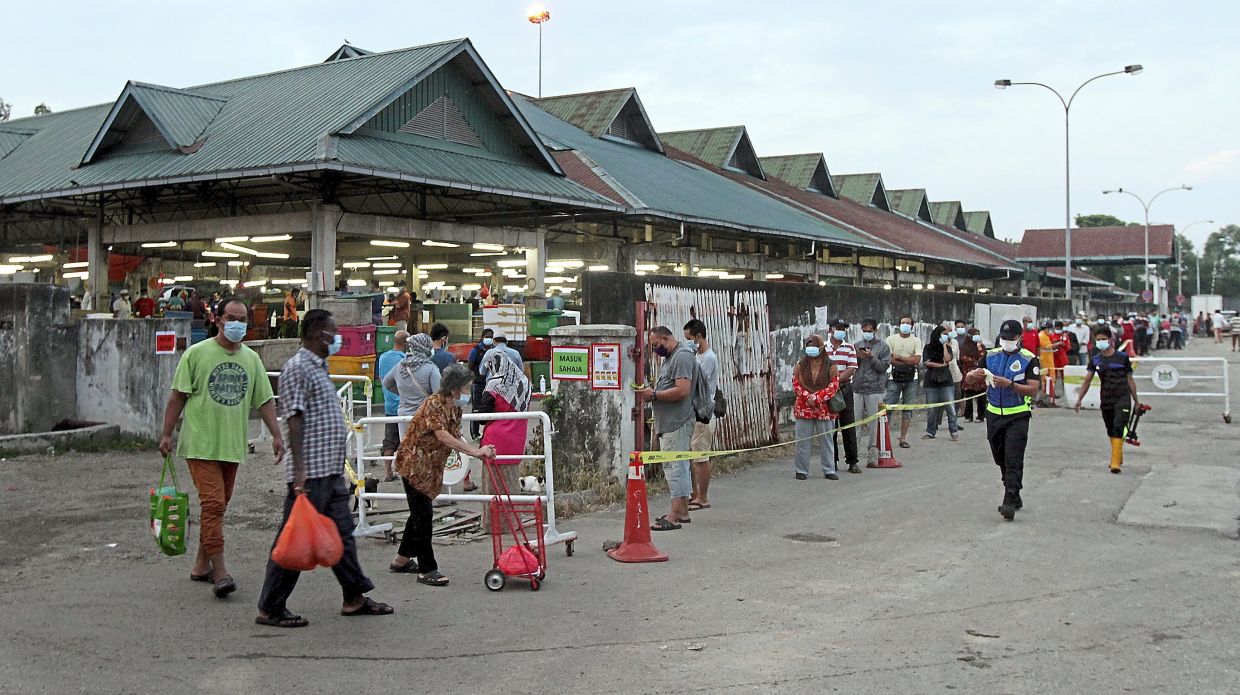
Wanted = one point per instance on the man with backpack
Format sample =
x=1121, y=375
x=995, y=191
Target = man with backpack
x=673, y=402
x=703, y=432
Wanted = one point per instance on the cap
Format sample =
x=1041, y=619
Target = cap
x=839, y=323
x=1010, y=330
x=1047, y=323
x=124, y=291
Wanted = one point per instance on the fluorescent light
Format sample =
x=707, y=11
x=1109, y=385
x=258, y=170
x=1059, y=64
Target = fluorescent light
x=886, y=286
x=276, y=237
x=647, y=266
x=448, y=287
x=489, y=247
x=391, y=288
x=640, y=272
x=235, y=264
x=389, y=265
x=386, y=272
x=472, y=270
x=482, y=274
x=471, y=288
x=242, y=249
x=390, y=244
x=230, y=283
x=730, y=276
x=183, y=278
x=208, y=264
x=383, y=258
x=226, y=239
x=72, y=276
x=78, y=264
x=444, y=244
x=514, y=288
x=432, y=285
x=264, y=254
x=356, y=264
x=256, y=283
x=512, y=264
x=357, y=283
x=930, y=286
x=572, y=264
x=983, y=290
x=488, y=253
x=434, y=266
x=917, y=286
x=32, y=259
x=220, y=254
x=774, y=276
x=598, y=268
x=9, y=269
x=514, y=274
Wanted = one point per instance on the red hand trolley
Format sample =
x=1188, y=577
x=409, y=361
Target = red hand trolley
x=520, y=559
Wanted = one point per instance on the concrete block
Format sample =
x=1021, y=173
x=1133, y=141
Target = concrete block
x=41, y=442
x=275, y=352
x=594, y=428
x=120, y=379
x=348, y=311
x=38, y=347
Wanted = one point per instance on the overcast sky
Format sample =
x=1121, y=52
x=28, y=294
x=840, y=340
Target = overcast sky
x=903, y=88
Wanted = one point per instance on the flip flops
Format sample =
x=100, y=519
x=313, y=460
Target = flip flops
x=369, y=607
x=433, y=579
x=285, y=619
x=663, y=524
x=694, y=505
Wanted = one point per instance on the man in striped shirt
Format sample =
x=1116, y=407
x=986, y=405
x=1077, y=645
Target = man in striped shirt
x=844, y=355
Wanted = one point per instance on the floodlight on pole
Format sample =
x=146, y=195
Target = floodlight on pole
x=540, y=16
x=1067, y=178
x=1146, y=206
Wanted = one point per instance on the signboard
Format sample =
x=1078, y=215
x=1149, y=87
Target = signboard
x=570, y=363
x=605, y=366
x=1165, y=377
x=1180, y=299
x=165, y=342
x=1147, y=296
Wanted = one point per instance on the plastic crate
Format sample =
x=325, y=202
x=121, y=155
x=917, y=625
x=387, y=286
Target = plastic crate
x=357, y=341
x=534, y=370
x=376, y=392
x=541, y=322
x=385, y=338
x=351, y=366
x=537, y=349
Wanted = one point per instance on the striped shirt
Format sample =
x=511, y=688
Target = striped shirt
x=306, y=389
x=844, y=356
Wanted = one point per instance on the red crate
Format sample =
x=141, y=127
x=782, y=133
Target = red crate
x=537, y=349
x=357, y=341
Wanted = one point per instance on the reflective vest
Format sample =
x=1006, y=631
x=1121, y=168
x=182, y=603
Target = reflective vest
x=1007, y=401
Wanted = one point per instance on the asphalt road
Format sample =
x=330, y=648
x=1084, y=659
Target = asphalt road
x=891, y=581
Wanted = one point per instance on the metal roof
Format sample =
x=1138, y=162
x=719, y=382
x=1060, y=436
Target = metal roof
x=948, y=213
x=910, y=202
x=278, y=121
x=1099, y=244
x=728, y=147
x=595, y=112
x=804, y=171
x=979, y=222
x=867, y=189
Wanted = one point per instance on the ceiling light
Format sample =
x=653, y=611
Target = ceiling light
x=386, y=272
x=264, y=254
x=472, y=270
x=432, y=285
x=514, y=288
x=159, y=245
x=489, y=247
x=264, y=239
x=225, y=239
x=447, y=287
x=731, y=276
x=357, y=283
x=917, y=285
x=391, y=288
x=79, y=264
x=390, y=244
x=444, y=244
x=220, y=254
x=9, y=269
x=235, y=264
x=488, y=253
x=69, y=276
x=512, y=264
x=230, y=283
x=183, y=278
x=30, y=259
x=383, y=258
x=774, y=276
x=652, y=267
x=389, y=265
x=434, y=266
x=207, y=264
x=471, y=288
x=598, y=268
x=640, y=272
x=356, y=264
x=930, y=286
x=571, y=263
x=983, y=290
x=236, y=247
x=886, y=286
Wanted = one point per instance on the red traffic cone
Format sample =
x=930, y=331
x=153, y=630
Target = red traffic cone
x=637, y=546
x=882, y=440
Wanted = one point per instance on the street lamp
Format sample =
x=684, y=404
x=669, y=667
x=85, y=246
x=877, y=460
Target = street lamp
x=1067, y=179
x=539, y=15
x=1184, y=233
x=1147, y=223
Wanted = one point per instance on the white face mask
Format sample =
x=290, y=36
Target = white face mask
x=1009, y=345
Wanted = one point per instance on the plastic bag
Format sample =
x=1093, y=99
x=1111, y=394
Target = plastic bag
x=309, y=539
x=169, y=512
x=518, y=560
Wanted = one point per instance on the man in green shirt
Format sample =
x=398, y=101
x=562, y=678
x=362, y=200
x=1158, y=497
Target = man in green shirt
x=216, y=384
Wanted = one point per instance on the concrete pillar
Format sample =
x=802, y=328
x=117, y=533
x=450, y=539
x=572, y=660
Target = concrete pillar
x=97, y=256
x=414, y=281
x=595, y=427
x=323, y=221
x=535, y=272
x=690, y=261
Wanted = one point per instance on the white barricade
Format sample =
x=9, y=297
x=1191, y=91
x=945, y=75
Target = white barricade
x=348, y=400
x=550, y=536
x=1158, y=373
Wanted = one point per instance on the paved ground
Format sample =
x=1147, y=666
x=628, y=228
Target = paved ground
x=917, y=585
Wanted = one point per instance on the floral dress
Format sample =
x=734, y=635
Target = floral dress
x=421, y=456
x=812, y=405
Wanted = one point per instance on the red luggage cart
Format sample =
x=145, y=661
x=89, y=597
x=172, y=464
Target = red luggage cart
x=520, y=558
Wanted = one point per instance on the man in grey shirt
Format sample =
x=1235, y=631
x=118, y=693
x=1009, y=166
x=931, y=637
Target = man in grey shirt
x=703, y=432
x=501, y=346
x=869, y=383
x=672, y=402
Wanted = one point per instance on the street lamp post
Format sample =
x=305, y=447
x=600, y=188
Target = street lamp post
x=1179, y=261
x=539, y=16
x=1146, y=206
x=1067, y=176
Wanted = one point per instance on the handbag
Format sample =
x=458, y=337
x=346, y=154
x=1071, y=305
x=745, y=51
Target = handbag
x=169, y=512
x=837, y=403
x=902, y=373
x=721, y=404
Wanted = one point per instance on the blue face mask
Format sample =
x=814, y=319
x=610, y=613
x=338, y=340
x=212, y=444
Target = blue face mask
x=1103, y=345
x=867, y=335
x=959, y=330
x=977, y=338
x=1030, y=325
x=234, y=331
x=906, y=328
x=944, y=338
x=812, y=351
x=336, y=344
x=839, y=335
x=462, y=400
x=488, y=341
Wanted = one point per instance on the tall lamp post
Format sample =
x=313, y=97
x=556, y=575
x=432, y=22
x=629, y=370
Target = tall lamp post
x=1067, y=178
x=1184, y=233
x=1146, y=206
x=538, y=15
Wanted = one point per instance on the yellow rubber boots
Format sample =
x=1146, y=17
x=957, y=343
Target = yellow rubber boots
x=1117, y=454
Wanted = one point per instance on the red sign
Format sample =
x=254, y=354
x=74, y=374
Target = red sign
x=1147, y=296
x=1180, y=299
x=165, y=342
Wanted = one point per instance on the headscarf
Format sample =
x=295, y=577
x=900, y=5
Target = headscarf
x=417, y=354
x=505, y=380
x=934, y=348
x=804, y=371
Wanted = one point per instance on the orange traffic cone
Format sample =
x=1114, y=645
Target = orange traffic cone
x=882, y=440
x=637, y=546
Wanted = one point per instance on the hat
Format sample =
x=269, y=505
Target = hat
x=124, y=291
x=1010, y=330
x=839, y=323
x=1046, y=323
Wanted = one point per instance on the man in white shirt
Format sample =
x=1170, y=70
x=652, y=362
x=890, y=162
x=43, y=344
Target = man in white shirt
x=905, y=360
x=1218, y=323
x=703, y=433
x=121, y=308
x=1081, y=331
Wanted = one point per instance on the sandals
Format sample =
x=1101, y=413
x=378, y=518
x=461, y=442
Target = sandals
x=284, y=619
x=369, y=607
x=663, y=524
x=694, y=505
x=224, y=587
x=410, y=567
x=924, y=436
x=433, y=579
x=905, y=445
x=201, y=578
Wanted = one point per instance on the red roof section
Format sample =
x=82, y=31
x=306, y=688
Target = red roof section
x=1113, y=244
x=580, y=172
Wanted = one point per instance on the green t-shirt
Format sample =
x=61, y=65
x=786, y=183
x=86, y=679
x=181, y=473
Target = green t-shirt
x=222, y=388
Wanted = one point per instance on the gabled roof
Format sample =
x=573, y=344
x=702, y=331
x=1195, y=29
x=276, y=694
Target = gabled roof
x=867, y=189
x=911, y=202
x=180, y=115
x=727, y=147
x=807, y=172
x=614, y=112
x=948, y=214
x=11, y=137
x=1099, y=244
x=347, y=51
x=979, y=222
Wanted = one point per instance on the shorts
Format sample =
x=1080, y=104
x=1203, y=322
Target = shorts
x=679, y=482
x=902, y=392
x=703, y=438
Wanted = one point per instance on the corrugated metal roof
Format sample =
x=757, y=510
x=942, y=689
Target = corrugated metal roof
x=948, y=213
x=269, y=121
x=804, y=171
x=1098, y=244
x=910, y=202
x=593, y=112
x=713, y=145
x=11, y=137
x=979, y=222
x=867, y=189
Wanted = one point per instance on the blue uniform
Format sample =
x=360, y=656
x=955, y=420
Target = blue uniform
x=1008, y=415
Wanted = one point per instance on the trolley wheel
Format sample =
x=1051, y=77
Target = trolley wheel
x=534, y=584
x=494, y=580
x=1227, y=418
x=568, y=548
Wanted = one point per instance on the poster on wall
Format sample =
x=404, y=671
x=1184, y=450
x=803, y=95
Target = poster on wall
x=165, y=342
x=570, y=363
x=605, y=366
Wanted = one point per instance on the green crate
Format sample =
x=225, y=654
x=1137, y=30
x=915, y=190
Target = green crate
x=541, y=322
x=451, y=312
x=385, y=337
x=536, y=370
x=376, y=395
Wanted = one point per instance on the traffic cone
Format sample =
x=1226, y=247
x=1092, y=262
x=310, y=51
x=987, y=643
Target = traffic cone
x=1048, y=386
x=637, y=546
x=882, y=440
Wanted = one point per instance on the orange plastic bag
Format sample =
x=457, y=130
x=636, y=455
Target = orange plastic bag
x=328, y=546
x=300, y=544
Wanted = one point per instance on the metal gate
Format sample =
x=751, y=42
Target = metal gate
x=1183, y=377
x=738, y=327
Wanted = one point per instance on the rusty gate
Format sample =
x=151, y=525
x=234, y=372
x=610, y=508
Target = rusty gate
x=738, y=327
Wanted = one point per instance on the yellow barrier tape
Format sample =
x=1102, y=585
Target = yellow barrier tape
x=668, y=456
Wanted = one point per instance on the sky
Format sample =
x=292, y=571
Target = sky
x=902, y=88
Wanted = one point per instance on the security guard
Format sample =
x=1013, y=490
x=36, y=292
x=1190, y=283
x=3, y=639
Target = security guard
x=1012, y=379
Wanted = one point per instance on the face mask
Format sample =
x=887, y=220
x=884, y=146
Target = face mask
x=1078, y=322
x=867, y=335
x=906, y=328
x=812, y=351
x=337, y=343
x=959, y=330
x=488, y=341
x=977, y=338
x=1030, y=325
x=839, y=335
x=462, y=400
x=234, y=331
x=1103, y=345
x=660, y=351
x=1009, y=345
x=943, y=339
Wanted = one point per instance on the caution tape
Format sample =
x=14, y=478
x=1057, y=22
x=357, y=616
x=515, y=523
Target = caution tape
x=669, y=456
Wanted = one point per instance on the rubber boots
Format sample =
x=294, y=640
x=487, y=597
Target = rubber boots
x=1117, y=454
x=1008, y=508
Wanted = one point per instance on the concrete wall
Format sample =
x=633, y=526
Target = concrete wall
x=38, y=348
x=594, y=428
x=120, y=379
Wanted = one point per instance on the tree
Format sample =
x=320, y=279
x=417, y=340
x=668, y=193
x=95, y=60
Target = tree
x=6, y=110
x=1219, y=263
x=41, y=110
x=1100, y=221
